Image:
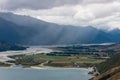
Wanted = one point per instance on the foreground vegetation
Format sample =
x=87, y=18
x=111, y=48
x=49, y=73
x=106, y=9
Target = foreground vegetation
x=110, y=69
x=109, y=64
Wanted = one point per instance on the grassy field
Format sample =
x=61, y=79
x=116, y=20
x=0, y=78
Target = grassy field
x=69, y=56
x=56, y=61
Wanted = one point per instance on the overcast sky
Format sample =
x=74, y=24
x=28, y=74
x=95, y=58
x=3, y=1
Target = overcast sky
x=103, y=14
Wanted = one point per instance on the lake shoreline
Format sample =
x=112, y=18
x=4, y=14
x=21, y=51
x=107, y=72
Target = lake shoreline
x=46, y=67
x=34, y=67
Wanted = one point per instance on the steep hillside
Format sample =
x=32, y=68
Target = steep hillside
x=11, y=32
x=112, y=74
x=110, y=69
x=109, y=64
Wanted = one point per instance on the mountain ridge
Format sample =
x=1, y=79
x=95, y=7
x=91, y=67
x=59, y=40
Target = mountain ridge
x=37, y=32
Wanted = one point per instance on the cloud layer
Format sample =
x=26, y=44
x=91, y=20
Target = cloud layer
x=35, y=4
x=104, y=14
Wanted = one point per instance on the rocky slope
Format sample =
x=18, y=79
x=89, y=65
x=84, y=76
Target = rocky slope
x=110, y=69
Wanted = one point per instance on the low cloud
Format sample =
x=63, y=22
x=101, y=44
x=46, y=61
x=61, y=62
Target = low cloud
x=35, y=4
x=103, y=14
x=98, y=14
x=45, y=4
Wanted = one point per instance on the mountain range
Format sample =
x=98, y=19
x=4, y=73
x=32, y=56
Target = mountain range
x=31, y=31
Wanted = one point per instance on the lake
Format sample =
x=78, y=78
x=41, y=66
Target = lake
x=43, y=74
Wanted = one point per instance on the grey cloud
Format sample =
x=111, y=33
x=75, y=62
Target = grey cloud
x=70, y=12
x=38, y=4
x=46, y=4
x=98, y=1
x=96, y=14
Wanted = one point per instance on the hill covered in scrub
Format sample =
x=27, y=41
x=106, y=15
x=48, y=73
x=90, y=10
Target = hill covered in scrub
x=109, y=64
x=110, y=69
x=112, y=74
